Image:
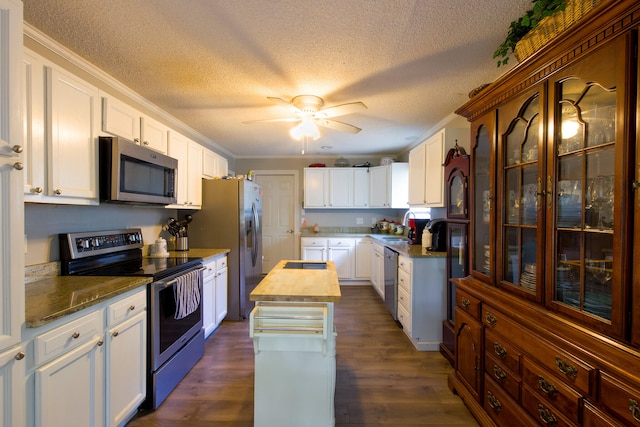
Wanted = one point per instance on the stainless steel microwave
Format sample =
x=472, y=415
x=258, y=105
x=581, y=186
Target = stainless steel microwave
x=131, y=173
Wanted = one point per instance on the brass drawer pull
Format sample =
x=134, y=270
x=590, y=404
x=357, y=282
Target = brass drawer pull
x=499, y=373
x=548, y=388
x=491, y=319
x=494, y=403
x=566, y=368
x=500, y=350
x=465, y=302
x=546, y=416
x=635, y=411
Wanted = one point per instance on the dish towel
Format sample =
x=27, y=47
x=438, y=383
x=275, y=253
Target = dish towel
x=187, y=294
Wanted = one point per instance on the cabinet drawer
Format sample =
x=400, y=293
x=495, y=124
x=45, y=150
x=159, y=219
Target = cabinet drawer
x=501, y=350
x=502, y=409
x=405, y=264
x=562, y=397
x=127, y=308
x=593, y=417
x=502, y=376
x=404, y=281
x=66, y=337
x=341, y=243
x=209, y=269
x=314, y=242
x=468, y=303
x=405, y=319
x=221, y=263
x=404, y=299
x=571, y=369
x=542, y=411
x=621, y=398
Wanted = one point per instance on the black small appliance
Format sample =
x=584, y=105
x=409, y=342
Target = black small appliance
x=438, y=229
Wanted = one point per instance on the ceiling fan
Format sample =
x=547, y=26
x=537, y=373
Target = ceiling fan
x=307, y=110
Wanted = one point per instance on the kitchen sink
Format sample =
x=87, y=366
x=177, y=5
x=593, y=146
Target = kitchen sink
x=394, y=239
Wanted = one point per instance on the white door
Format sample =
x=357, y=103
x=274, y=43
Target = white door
x=278, y=218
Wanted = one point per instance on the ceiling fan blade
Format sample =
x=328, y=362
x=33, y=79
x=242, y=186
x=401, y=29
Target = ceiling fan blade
x=336, y=125
x=289, y=119
x=284, y=103
x=341, y=110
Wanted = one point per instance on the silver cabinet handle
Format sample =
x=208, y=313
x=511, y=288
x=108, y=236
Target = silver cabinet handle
x=115, y=333
x=75, y=335
x=57, y=192
x=37, y=190
x=132, y=307
x=100, y=342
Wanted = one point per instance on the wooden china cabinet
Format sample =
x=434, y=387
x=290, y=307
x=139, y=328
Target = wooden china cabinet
x=547, y=322
x=456, y=173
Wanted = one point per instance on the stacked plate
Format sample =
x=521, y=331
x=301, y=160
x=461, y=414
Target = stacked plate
x=528, y=277
x=487, y=259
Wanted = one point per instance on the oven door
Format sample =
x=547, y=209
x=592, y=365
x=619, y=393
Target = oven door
x=167, y=335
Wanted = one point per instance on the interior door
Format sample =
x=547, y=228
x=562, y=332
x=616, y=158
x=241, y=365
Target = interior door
x=278, y=231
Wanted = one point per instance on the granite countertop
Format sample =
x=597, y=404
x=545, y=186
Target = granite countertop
x=52, y=298
x=403, y=248
x=205, y=253
x=299, y=285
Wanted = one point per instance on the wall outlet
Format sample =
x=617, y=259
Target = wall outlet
x=359, y=221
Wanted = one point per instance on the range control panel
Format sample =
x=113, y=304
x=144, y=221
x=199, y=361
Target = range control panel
x=80, y=245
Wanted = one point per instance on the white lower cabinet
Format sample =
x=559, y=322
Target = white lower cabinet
x=340, y=251
x=314, y=248
x=12, y=373
x=377, y=269
x=214, y=294
x=89, y=370
x=352, y=256
x=363, y=255
x=422, y=299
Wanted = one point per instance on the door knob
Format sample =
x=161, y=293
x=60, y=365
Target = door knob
x=18, y=165
x=17, y=149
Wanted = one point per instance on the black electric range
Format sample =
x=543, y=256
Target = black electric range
x=116, y=253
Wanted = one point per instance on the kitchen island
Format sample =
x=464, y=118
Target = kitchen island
x=295, y=345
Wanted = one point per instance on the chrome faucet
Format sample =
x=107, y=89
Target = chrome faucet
x=404, y=220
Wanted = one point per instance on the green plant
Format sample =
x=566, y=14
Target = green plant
x=526, y=23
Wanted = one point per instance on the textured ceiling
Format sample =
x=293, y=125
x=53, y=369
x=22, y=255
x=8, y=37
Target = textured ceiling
x=213, y=63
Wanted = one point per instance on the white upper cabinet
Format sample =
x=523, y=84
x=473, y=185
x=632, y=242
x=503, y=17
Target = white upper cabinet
x=426, y=171
x=340, y=187
x=388, y=186
x=154, y=134
x=316, y=188
x=213, y=165
x=189, y=180
x=361, y=187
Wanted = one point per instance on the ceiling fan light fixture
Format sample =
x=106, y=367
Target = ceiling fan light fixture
x=306, y=128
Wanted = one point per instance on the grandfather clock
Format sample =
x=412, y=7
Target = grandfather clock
x=456, y=172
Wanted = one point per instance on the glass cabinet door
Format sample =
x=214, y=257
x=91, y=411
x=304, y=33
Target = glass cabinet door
x=457, y=262
x=586, y=246
x=483, y=196
x=521, y=186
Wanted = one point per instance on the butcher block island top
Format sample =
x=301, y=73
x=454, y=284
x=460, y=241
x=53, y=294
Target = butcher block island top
x=299, y=281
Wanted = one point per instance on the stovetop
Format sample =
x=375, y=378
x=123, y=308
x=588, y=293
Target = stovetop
x=115, y=253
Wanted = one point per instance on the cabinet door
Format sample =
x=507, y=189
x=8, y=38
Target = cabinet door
x=360, y=187
x=315, y=188
x=153, y=134
x=120, y=119
x=378, y=187
x=434, y=172
x=482, y=173
x=587, y=190
x=11, y=179
x=520, y=183
x=73, y=113
x=341, y=188
x=314, y=254
x=126, y=356
x=417, y=182
x=12, y=375
x=221, y=295
x=69, y=391
x=194, y=174
x=179, y=149
x=457, y=263
x=469, y=352
x=34, y=151
x=341, y=255
x=363, y=259
x=209, y=298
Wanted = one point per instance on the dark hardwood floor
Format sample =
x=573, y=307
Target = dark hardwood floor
x=381, y=379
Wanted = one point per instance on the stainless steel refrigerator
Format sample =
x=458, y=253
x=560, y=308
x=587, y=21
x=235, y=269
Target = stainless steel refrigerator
x=231, y=217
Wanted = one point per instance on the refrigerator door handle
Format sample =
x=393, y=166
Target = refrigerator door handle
x=254, y=235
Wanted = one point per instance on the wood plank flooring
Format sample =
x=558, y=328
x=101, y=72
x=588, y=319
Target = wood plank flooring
x=381, y=379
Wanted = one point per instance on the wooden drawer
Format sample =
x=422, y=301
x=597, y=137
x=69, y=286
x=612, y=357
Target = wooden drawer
x=502, y=409
x=563, y=398
x=571, y=369
x=404, y=281
x=404, y=300
x=501, y=350
x=126, y=308
x=620, y=398
x=67, y=337
x=542, y=411
x=502, y=376
x=405, y=264
x=468, y=303
x=593, y=417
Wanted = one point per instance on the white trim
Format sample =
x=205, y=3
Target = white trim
x=296, y=201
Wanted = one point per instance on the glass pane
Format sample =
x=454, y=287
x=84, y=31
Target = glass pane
x=456, y=195
x=598, y=275
x=512, y=205
x=528, y=263
x=511, y=264
x=482, y=199
x=529, y=200
x=599, y=196
x=569, y=191
x=567, y=289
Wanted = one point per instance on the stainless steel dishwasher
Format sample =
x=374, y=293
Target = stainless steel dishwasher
x=391, y=281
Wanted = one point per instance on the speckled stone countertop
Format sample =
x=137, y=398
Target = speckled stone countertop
x=299, y=285
x=402, y=247
x=52, y=298
x=205, y=253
